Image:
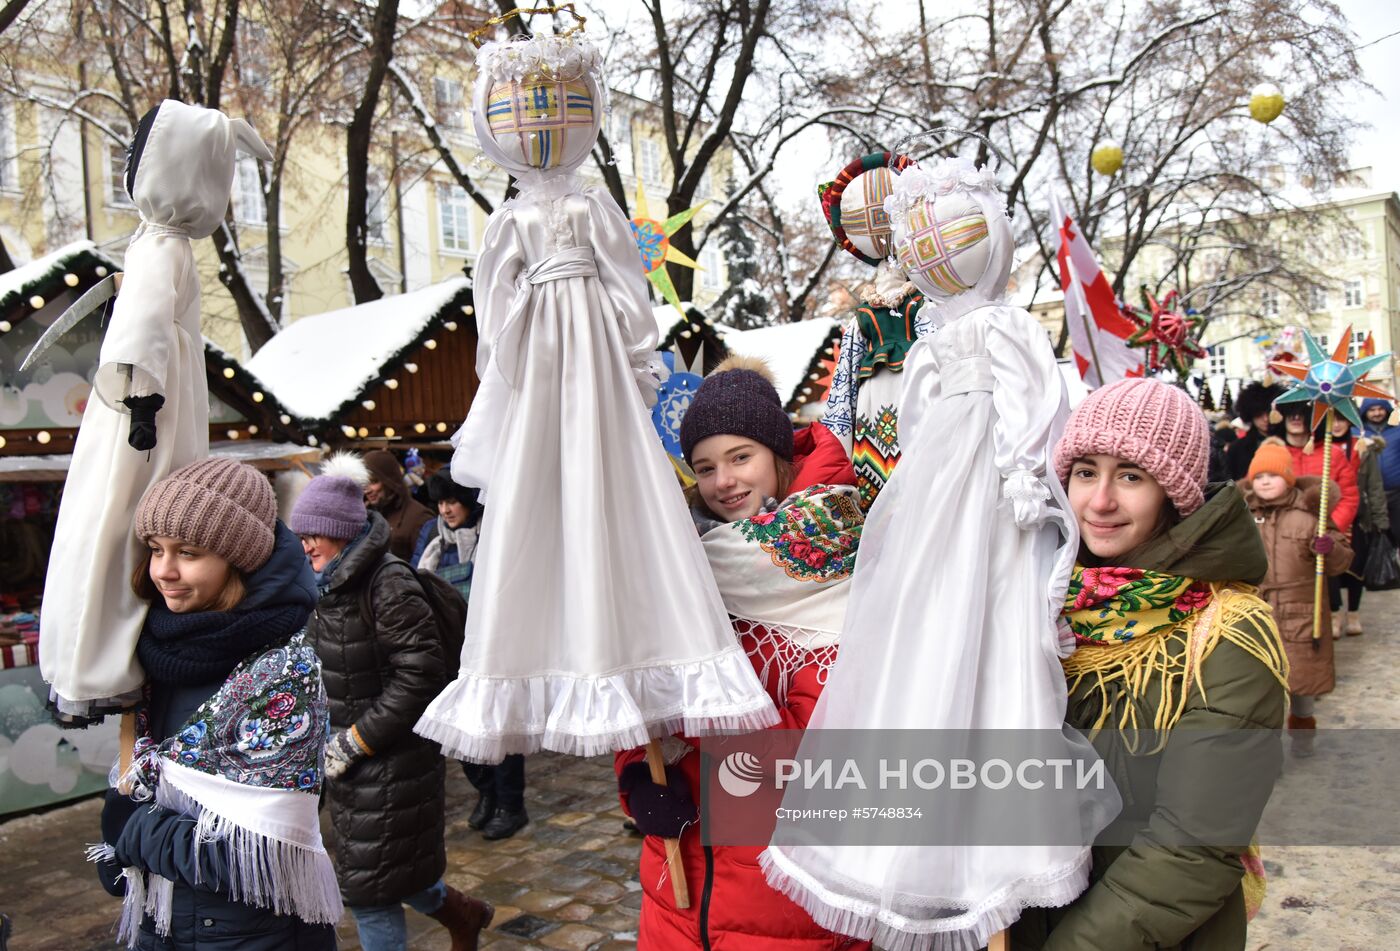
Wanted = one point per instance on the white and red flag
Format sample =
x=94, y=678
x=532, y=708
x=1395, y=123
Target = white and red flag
x=1098, y=331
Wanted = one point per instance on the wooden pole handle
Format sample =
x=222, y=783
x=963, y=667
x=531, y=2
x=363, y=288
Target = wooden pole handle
x=679, y=889
x=128, y=749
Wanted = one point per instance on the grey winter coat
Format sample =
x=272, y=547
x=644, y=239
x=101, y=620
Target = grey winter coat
x=380, y=675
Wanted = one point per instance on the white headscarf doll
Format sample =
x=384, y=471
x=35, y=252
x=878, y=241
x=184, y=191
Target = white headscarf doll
x=595, y=624
x=151, y=411
x=953, y=618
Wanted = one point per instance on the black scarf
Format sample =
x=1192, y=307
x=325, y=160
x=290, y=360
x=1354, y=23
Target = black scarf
x=204, y=646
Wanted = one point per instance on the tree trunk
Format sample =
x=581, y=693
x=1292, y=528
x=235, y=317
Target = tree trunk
x=357, y=143
x=276, y=278
x=7, y=263
x=257, y=323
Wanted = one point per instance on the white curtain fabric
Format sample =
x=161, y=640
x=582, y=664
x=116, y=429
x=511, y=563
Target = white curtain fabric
x=90, y=618
x=595, y=623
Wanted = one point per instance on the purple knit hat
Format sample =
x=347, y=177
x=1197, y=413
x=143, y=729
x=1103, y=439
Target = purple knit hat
x=219, y=504
x=330, y=505
x=738, y=399
x=1147, y=422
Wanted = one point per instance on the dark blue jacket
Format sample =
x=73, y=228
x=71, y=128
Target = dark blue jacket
x=203, y=918
x=1390, y=455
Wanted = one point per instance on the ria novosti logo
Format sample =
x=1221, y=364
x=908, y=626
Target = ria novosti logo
x=740, y=774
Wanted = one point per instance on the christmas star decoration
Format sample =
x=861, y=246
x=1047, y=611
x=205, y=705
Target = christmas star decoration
x=654, y=242
x=1170, y=337
x=1330, y=382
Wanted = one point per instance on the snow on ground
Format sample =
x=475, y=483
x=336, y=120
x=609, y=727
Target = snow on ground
x=788, y=349
x=317, y=363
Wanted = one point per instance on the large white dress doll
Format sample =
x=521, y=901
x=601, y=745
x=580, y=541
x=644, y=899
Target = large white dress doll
x=952, y=622
x=150, y=369
x=595, y=623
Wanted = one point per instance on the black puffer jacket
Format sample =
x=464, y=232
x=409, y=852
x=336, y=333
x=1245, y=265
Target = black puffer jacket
x=387, y=811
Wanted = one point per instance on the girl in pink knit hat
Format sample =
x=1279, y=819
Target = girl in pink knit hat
x=1163, y=608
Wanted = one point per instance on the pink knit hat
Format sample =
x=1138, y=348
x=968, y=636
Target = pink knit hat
x=1153, y=424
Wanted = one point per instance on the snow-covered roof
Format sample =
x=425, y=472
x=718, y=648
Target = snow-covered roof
x=22, y=280
x=669, y=322
x=788, y=349
x=255, y=452
x=318, y=364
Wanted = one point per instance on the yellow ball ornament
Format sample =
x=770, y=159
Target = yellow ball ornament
x=1107, y=158
x=1265, y=103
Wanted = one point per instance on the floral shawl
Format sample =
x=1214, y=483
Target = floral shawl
x=788, y=572
x=247, y=768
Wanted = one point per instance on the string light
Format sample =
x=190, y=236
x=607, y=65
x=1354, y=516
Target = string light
x=253, y=429
x=349, y=431
x=411, y=367
x=71, y=280
x=228, y=373
x=284, y=419
x=233, y=434
x=4, y=326
x=257, y=397
x=2, y=442
x=451, y=325
x=441, y=427
x=101, y=271
x=363, y=432
x=36, y=302
x=389, y=432
x=43, y=438
x=368, y=404
x=468, y=310
x=392, y=383
x=311, y=440
x=420, y=427
x=430, y=344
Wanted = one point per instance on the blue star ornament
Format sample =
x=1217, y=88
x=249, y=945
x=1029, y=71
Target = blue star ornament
x=1331, y=382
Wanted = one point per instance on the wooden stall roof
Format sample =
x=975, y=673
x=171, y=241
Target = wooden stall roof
x=401, y=368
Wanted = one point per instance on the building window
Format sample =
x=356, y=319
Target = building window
x=620, y=137
x=1354, y=291
x=249, y=202
x=454, y=215
x=1354, y=244
x=376, y=207
x=1317, y=298
x=1268, y=301
x=116, y=171
x=1358, y=340
x=251, y=52
x=650, y=156
x=9, y=179
x=447, y=98
x=710, y=277
x=1324, y=341
x=1215, y=360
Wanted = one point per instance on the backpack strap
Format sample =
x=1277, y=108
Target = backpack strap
x=367, y=592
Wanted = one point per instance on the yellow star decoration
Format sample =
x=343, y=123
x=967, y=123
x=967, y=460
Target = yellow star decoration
x=654, y=242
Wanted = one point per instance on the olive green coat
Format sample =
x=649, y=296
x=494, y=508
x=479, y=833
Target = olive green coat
x=1155, y=894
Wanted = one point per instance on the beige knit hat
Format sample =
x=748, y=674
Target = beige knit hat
x=218, y=504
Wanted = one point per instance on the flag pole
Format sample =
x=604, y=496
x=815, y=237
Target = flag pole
x=1084, y=315
x=1319, y=576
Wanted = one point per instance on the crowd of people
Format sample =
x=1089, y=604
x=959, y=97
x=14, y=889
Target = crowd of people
x=1174, y=599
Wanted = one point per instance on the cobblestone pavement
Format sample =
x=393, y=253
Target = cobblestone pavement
x=568, y=881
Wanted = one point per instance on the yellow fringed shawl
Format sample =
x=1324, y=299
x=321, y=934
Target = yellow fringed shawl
x=1235, y=614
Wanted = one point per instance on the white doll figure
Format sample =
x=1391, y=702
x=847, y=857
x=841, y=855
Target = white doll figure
x=862, y=407
x=150, y=414
x=953, y=618
x=595, y=623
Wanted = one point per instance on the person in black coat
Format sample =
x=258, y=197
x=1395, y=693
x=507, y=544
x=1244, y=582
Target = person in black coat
x=382, y=656
x=1253, y=405
x=227, y=584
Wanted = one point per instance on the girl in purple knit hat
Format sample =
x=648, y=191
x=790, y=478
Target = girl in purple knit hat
x=1174, y=645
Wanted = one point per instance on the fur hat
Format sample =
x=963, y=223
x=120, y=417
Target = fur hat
x=1256, y=399
x=738, y=399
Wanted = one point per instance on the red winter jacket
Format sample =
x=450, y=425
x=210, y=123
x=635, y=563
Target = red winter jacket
x=1343, y=510
x=732, y=908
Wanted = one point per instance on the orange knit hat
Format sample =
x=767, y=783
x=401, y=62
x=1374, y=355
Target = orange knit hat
x=1273, y=456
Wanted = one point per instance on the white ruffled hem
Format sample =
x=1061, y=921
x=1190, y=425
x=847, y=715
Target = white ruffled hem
x=863, y=913
x=485, y=719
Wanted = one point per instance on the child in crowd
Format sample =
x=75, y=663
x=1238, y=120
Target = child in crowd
x=1286, y=508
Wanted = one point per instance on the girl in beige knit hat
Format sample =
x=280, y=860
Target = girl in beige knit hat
x=213, y=830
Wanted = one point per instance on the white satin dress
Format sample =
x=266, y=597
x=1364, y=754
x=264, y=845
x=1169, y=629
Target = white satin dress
x=595, y=623
x=952, y=625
